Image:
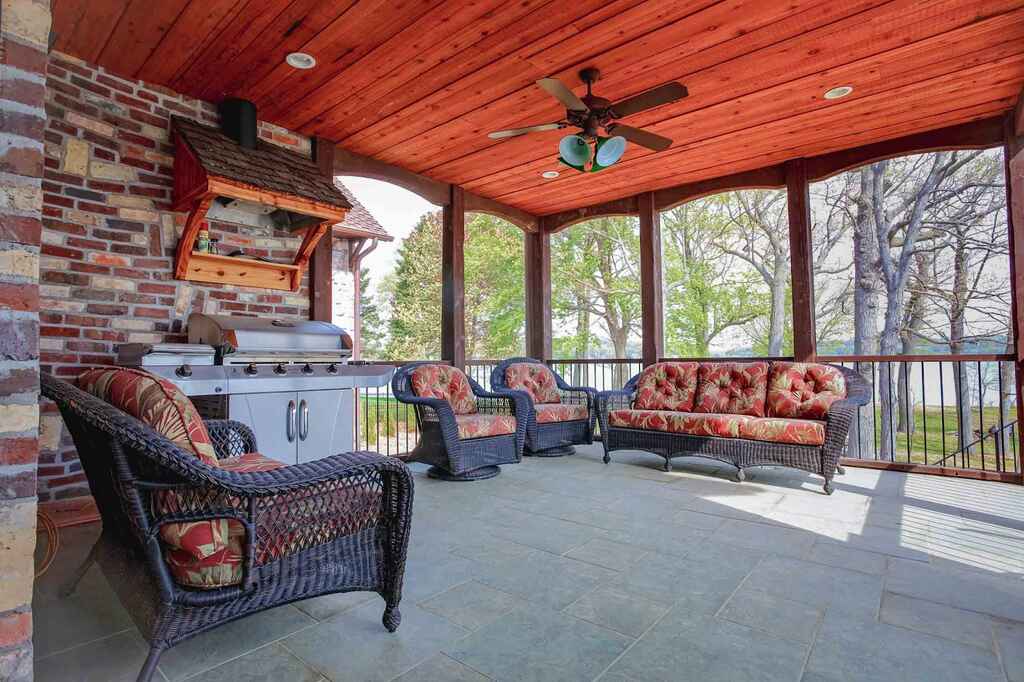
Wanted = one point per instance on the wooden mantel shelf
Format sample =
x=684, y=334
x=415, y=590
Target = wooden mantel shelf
x=247, y=272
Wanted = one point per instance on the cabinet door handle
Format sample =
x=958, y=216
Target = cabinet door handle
x=303, y=419
x=289, y=424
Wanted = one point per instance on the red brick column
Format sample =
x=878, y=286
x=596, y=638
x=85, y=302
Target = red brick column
x=24, y=31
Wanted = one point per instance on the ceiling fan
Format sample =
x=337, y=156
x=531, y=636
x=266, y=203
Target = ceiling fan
x=591, y=113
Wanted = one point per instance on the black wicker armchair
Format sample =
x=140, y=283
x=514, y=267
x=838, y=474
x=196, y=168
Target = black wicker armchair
x=466, y=432
x=561, y=415
x=741, y=452
x=339, y=524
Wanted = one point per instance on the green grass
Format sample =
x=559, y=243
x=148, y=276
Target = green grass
x=384, y=421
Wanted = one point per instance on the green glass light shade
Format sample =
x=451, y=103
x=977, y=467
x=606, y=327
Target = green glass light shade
x=574, y=151
x=608, y=151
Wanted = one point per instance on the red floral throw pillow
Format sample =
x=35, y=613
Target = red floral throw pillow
x=535, y=379
x=667, y=386
x=732, y=388
x=447, y=383
x=804, y=390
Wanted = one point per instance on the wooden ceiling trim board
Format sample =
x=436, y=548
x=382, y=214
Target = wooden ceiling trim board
x=956, y=50
x=359, y=31
x=200, y=77
x=196, y=26
x=88, y=38
x=466, y=99
x=413, y=50
x=769, y=177
x=544, y=27
x=527, y=104
x=799, y=137
x=288, y=32
x=775, y=155
x=140, y=29
x=67, y=16
x=790, y=97
x=350, y=163
x=742, y=75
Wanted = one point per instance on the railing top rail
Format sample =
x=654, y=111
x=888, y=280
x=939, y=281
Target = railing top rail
x=731, y=358
x=595, y=361
x=936, y=357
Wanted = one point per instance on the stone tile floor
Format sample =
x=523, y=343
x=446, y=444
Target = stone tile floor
x=567, y=569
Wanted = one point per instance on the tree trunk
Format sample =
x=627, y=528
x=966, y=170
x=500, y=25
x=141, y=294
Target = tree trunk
x=776, y=330
x=1006, y=413
x=865, y=308
x=957, y=327
x=619, y=338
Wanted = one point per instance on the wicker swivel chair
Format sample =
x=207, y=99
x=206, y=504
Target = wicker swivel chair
x=339, y=524
x=560, y=415
x=466, y=432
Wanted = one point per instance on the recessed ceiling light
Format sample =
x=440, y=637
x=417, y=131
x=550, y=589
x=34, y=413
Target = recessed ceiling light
x=300, y=60
x=549, y=175
x=839, y=92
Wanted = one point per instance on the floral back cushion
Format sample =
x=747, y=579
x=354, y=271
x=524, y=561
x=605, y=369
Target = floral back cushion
x=804, y=390
x=667, y=386
x=447, y=383
x=155, y=402
x=535, y=379
x=732, y=388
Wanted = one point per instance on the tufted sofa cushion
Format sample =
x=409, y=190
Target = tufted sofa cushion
x=535, y=379
x=667, y=386
x=447, y=383
x=732, y=388
x=803, y=390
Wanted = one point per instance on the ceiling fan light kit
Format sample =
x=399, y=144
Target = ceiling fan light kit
x=591, y=114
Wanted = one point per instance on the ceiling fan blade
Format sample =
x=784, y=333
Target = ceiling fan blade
x=663, y=94
x=562, y=93
x=515, y=132
x=644, y=138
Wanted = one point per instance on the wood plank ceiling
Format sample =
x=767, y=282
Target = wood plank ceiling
x=420, y=83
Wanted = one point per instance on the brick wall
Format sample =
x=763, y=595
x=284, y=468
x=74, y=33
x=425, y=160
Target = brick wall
x=24, y=29
x=108, y=237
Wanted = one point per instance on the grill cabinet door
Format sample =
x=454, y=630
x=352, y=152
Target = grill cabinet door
x=268, y=414
x=329, y=418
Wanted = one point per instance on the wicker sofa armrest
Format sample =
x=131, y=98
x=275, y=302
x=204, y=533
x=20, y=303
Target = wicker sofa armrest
x=841, y=416
x=230, y=438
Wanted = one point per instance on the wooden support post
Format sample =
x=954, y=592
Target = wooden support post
x=321, y=266
x=800, y=260
x=652, y=314
x=537, y=289
x=453, y=280
x=1014, y=158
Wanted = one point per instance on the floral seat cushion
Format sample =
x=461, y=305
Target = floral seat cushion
x=667, y=386
x=803, y=390
x=770, y=429
x=560, y=412
x=446, y=383
x=155, y=402
x=484, y=425
x=732, y=388
x=535, y=379
x=670, y=421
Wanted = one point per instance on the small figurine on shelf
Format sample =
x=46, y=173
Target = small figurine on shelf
x=213, y=245
x=203, y=242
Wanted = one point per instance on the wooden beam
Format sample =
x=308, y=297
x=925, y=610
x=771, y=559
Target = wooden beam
x=537, y=270
x=196, y=215
x=453, y=280
x=770, y=177
x=1018, y=116
x=652, y=314
x=974, y=135
x=556, y=222
x=314, y=235
x=350, y=163
x=521, y=219
x=321, y=265
x=800, y=260
x=1014, y=159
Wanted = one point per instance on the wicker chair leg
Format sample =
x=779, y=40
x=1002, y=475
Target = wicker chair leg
x=149, y=667
x=392, y=618
x=740, y=476
x=828, y=486
x=840, y=469
x=668, y=465
x=71, y=584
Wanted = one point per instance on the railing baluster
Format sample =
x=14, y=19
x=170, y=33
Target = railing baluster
x=924, y=413
x=981, y=415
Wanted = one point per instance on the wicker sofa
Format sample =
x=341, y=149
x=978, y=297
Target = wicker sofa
x=560, y=415
x=745, y=413
x=466, y=432
x=199, y=529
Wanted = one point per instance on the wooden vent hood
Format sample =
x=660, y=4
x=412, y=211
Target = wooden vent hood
x=210, y=166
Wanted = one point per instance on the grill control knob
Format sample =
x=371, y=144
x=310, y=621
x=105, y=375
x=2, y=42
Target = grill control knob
x=251, y=369
x=307, y=369
x=280, y=369
x=332, y=368
x=184, y=371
